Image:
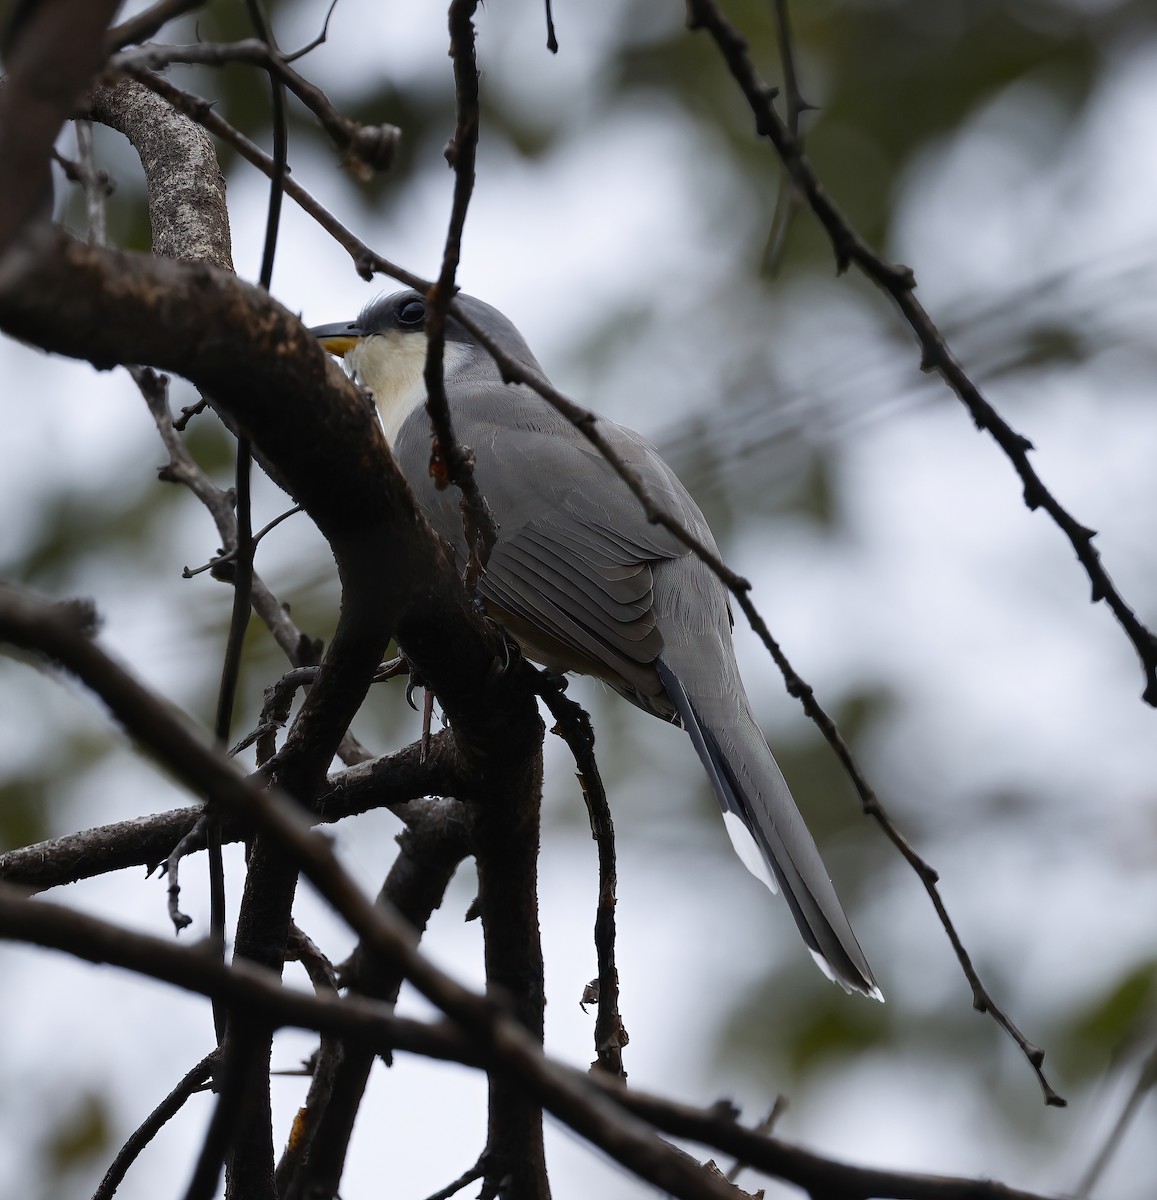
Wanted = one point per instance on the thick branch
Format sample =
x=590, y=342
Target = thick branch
x=186, y=189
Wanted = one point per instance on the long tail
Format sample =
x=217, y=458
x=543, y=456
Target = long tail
x=770, y=836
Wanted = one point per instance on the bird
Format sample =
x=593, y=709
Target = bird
x=584, y=582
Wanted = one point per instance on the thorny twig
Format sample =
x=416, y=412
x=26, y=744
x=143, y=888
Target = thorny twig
x=455, y=461
x=900, y=283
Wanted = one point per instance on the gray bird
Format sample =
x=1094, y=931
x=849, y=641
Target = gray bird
x=584, y=582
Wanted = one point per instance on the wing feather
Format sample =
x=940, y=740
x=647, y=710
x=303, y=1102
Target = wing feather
x=575, y=552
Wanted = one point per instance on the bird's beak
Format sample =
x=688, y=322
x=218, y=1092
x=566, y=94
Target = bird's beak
x=339, y=339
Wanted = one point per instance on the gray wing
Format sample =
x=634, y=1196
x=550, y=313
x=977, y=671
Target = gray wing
x=572, y=573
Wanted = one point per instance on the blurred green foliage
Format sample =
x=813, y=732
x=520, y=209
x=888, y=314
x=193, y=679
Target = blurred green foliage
x=80, y=1139
x=1113, y=1025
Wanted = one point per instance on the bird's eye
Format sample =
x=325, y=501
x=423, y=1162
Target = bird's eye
x=412, y=314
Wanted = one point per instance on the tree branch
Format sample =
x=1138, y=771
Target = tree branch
x=187, y=212
x=367, y=149
x=619, y=1120
x=146, y=24
x=430, y=851
x=396, y=781
x=192, y=1082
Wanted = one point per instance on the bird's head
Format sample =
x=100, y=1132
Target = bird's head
x=385, y=349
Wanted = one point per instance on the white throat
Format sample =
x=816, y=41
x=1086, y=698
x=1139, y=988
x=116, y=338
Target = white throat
x=390, y=366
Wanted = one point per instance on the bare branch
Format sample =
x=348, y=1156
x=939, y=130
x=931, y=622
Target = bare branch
x=430, y=851
x=397, y=781
x=1145, y=1082
x=96, y=184
x=186, y=189
x=502, y=1039
x=819, y=1177
x=148, y=23
x=619, y=1120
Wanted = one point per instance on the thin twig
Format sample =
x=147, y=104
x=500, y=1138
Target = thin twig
x=366, y=149
x=464, y=1180
x=198, y=109
x=789, y=201
x=194, y=1081
x=195, y=839
x=96, y=183
x=145, y=24
x=228, y=556
x=182, y=468
x=794, y=101
x=449, y=460
x=303, y=949
x=778, y=1108
x=1146, y=1081
x=310, y=46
